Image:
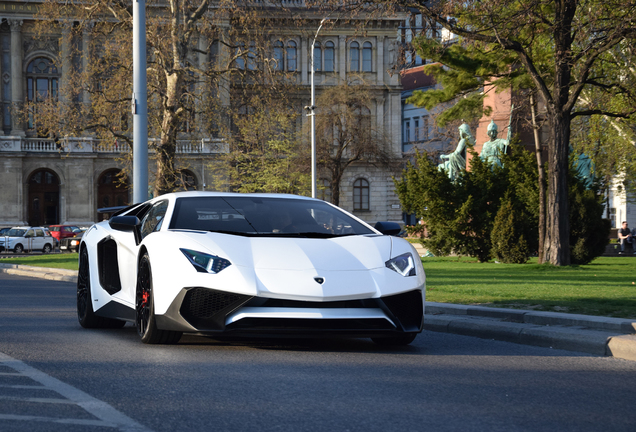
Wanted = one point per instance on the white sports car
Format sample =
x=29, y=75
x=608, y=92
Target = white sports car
x=248, y=264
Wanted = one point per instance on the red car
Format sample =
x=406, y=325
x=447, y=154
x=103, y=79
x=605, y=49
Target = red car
x=63, y=231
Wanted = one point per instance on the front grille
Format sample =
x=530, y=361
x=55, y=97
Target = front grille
x=205, y=308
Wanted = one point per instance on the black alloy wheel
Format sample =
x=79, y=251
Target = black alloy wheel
x=146, y=325
x=18, y=249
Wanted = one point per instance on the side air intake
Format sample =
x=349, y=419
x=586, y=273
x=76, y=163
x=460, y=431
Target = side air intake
x=206, y=309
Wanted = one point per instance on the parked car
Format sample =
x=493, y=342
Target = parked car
x=19, y=239
x=63, y=231
x=71, y=244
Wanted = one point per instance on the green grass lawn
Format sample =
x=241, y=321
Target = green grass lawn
x=63, y=261
x=605, y=287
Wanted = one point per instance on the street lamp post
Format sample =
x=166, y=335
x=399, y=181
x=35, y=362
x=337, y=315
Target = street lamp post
x=312, y=113
x=140, y=104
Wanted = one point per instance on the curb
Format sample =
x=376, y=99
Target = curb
x=615, y=337
x=40, y=272
x=603, y=336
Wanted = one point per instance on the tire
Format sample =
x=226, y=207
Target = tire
x=401, y=340
x=18, y=249
x=46, y=249
x=85, y=314
x=145, y=308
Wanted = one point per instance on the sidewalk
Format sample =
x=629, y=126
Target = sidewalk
x=615, y=337
x=602, y=336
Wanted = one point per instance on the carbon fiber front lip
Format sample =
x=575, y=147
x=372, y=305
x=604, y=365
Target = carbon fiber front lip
x=363, y=321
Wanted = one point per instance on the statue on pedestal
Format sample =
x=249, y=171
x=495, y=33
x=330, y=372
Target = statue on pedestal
x=455, y=162
x=493, y=149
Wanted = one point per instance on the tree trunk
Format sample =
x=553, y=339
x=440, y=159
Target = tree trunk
x=541, y=172
x=557, y=239
x=336, y=178
x=557, y=236
x=166, y=177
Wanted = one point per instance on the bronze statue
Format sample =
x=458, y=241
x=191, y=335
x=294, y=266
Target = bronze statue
x=495, y=147
x=456, y=161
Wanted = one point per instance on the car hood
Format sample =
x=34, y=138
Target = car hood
x=349, y=253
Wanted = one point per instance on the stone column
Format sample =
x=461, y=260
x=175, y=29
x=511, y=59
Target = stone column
x=379, y=107
x=380, y=59
x=342, y=56
x=67, y=65
x=305, y=62
x=17, y=95
x=86, y=43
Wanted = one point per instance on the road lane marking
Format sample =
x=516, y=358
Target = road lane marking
x=107, y=415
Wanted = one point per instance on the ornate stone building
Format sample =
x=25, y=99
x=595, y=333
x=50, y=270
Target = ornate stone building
x=52, y=181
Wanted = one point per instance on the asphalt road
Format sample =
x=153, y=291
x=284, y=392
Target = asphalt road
x=56, y=376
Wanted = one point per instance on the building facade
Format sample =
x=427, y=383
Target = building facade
x=48, y=181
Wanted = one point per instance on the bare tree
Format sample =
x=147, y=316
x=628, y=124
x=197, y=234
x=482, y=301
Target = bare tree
x=346, y=134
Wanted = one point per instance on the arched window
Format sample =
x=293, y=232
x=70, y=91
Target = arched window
x=329, y=65
x=361, y=195
x=317, y=57
x=291, y=56
x=367, y=55
x=354, y=56
x=42, y=83
x=44, y=198
x=278, y=56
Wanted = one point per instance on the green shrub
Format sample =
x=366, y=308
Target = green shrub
x=589, y=232
x=508, y=242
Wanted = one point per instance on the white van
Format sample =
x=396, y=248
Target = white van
x=19, y=239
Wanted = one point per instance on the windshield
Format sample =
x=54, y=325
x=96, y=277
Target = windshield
x=15, y=232
x=254, y=216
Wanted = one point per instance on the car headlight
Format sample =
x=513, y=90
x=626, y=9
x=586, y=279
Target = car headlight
x=402, y=264
x=205, y=263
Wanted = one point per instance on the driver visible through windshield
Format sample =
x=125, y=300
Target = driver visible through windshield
x=255, y=216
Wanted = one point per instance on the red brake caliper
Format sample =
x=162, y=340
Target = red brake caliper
x=144, y=298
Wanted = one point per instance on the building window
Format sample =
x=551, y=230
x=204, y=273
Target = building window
x=186, y=181
x=361, y=195
x=42, y=83
x=324, y=190
x=330, y=50
x=407, y=131
x=278, y=56
x=354, y=57
x=251, y=57
x=317, y=57
x=416, y=130
x=367, y=54
x=291, y=56
x=240, y=59
x=424, y=134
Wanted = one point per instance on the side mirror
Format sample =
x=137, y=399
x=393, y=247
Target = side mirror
x=388, y=228
x=127, y=224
